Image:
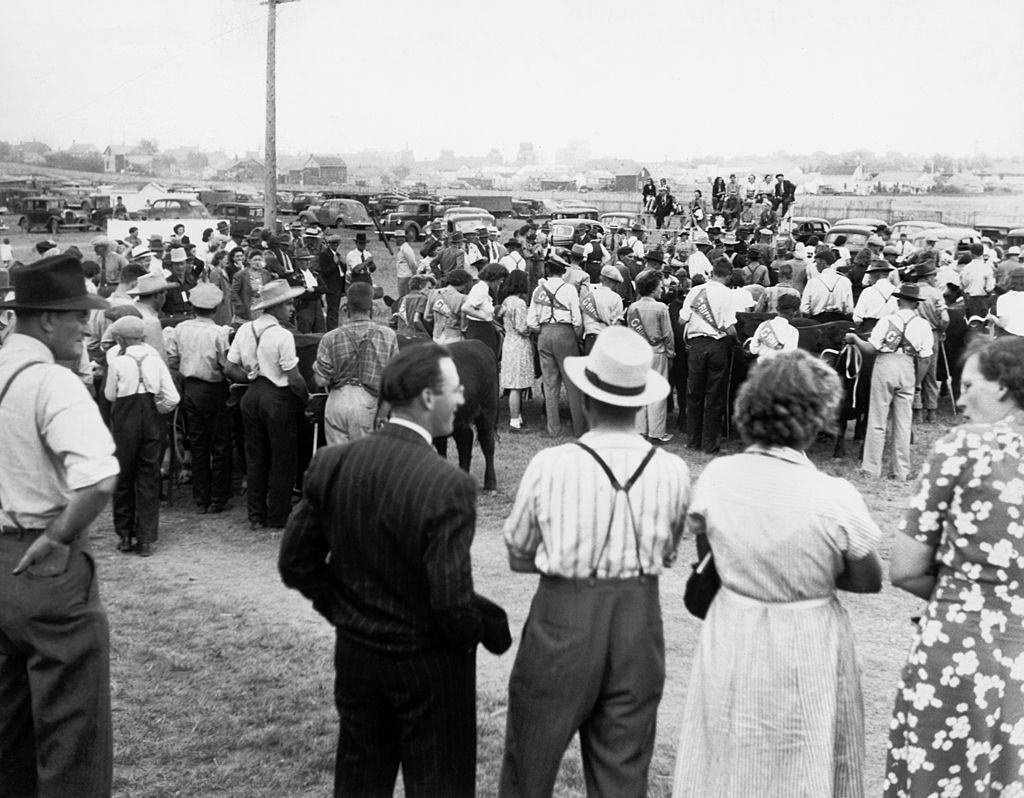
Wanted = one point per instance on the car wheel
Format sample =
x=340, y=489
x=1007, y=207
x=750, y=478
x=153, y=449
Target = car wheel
x=54, y=226
x=412, y=233
x=24, y=224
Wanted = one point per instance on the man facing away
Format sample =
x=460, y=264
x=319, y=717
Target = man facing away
x=380, y=543
x=56, y=475
x=598, y=519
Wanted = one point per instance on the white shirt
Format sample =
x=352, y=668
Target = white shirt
x=309, y=279
x=1010, y=310
x=773, y=336
x=355, y=258
x=140, y=370
x=479, y=297
x=895, y=332
x=603, y=303
x=274, y=355
x=407, y=263
x=635, y=244
x=875, y=301
x=721, y=305
x=563, y=309
x=829, y=291
x=698, y=263
x=514, y=261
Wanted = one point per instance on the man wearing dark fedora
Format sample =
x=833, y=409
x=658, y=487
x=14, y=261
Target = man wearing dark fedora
x=360, y=262
x=57, y=473
x=902, y=342
x=598, y=519
x=932, y=308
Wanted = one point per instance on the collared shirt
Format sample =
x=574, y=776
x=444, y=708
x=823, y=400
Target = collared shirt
x=139, y=369
x=54, y=439
x=568, y=520
x=153, y=328
x=715, y=310
x=977, y=278
x=829, y=291
x=356, y=258
x=698, y=263
x=355, y=353
x=933, y=307
x=903, y=331
x=635, y=244
x=554, y=301
x=589, y=248
x=772, y=337
x=601, y=307
x=199, y=348
x=513, y=261
x=649, y=318
x=273, y=357
x=407, y=263
x=875, y=301
x=444, y=312
x=772, y=295
x=404, y=422
x=110, y=267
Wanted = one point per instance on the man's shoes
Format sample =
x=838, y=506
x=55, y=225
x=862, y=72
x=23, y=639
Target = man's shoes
x=144, y=550
x=124, y=545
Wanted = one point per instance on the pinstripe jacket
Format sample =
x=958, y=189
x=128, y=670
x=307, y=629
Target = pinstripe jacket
x=380, y=544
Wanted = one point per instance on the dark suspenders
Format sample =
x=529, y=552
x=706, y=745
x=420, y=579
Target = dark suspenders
x=624, y=489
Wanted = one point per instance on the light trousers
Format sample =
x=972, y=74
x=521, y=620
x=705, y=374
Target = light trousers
x=892, y=392
x=350, y=414
x=650, y=420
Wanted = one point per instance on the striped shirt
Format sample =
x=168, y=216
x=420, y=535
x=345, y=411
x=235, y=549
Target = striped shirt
x=569, y=521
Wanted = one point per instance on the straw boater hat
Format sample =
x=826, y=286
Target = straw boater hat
x=618, y=370
x=56, y=283
x=277, y=292
x=149, y=284
x=205, y=296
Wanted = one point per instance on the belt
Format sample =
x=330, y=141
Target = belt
x=556, y=323
x=806, y=604
x=19, y=533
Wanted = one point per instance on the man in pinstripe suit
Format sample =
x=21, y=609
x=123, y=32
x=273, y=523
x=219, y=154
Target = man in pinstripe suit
x=380, y=544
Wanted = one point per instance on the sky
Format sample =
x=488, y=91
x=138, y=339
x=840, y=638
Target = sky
x=642, y=79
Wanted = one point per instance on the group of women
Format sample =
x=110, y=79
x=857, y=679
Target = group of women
x=774, y=706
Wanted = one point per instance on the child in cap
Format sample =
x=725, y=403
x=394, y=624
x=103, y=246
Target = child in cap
x=140, y=389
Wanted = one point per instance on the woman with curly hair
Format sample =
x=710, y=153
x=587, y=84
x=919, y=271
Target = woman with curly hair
x=958, y=724
x=774, y=705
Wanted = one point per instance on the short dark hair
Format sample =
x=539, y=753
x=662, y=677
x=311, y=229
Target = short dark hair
x=411, y=371
x=359, y=297
x=721, y=267
x=1002, y=361
x=840, y=241
x=608, y=412
x=90, y=268
x=977, y=250
x=458, y=277
x=787, y=400
x=553, y=267
x=647, y=282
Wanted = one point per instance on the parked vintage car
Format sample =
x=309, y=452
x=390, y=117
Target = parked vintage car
x=172, y=208
x=564, y=230
x=574, y=210
x=301, y=202
x=1015, y=238
x=803, y=227
x=877, y=225
x=532, y=208
x=243, y=217
x=99, y=207
x=465, y=220
x=956, y=240
x=381, y=204
x=911, y=227
x=53, y=214
x=412, y=216
x=617, y=219
x=338, y=213
x=857, y=236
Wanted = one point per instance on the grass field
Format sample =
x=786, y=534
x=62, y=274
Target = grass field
x=223, y=679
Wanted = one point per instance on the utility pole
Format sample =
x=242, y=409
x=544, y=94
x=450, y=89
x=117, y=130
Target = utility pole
x=270, y=147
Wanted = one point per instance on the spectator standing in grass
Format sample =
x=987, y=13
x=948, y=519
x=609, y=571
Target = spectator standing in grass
x=517, y=369
x=57, y=474
x=407, y=263
x=648, y=317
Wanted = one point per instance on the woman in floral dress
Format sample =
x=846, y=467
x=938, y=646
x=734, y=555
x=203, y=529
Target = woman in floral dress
x=516, y=352
x=958, y=725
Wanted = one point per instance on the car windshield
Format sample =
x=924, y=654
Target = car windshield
x=408, y=207
x=852, y=239
x=468, y=224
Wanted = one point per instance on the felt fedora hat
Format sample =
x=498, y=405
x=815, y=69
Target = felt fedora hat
x=277, y=292
x=56, y=283
x=911, y=291
x=618, y=370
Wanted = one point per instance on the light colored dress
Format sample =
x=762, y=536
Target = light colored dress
x=517, y=371
x=957, y=727
x=774, y=705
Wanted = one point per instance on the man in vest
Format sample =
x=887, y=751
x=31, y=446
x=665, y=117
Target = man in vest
x=554, y=314
x=900, y=340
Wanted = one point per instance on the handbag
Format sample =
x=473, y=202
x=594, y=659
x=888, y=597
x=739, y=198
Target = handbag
x=701, y=587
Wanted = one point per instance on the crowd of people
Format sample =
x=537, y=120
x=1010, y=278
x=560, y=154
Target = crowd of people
x=734, y=206
x=97, y=350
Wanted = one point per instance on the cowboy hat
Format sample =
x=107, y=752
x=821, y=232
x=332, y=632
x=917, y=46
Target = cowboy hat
x=911, y=291
x=277, y=292
x=141, y=251
x=618, y=370
x=878, y=266
x=149, y=284
x=56, y=283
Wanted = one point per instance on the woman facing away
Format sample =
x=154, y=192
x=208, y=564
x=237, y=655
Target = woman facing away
x=774, y=705
x=517, y=369
x=957, y=727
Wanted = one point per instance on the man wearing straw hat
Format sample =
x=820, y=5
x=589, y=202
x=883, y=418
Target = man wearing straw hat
x=57, y=473
x=263, y=355
x=598, y=519
x=150, y=293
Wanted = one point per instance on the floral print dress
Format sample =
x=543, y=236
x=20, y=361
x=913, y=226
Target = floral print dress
x=958, y=724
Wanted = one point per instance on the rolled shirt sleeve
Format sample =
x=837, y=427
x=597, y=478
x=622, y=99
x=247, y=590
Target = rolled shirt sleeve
x=71, y=427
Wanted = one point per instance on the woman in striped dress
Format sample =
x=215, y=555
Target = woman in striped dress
x=774, y=705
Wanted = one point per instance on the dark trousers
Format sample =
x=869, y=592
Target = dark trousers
x=592, y=658
x=309, y=317
x=268, y=414
x=707, y=382
x=976, y=306
x=415, y=710
x=209, y=435
x=55, y=726
x=138, y=432
x=334, y=295
x=485, y=332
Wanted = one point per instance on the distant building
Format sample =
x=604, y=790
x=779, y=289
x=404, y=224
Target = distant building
x=247, y=170
x=527, y=155
x=324, y=169
x=119, y=158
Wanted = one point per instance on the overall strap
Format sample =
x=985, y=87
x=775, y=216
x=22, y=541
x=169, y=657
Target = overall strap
x=624, y=489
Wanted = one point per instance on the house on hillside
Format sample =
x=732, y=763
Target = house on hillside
x=247, y=170
x=325, y=169
x=119, y=158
